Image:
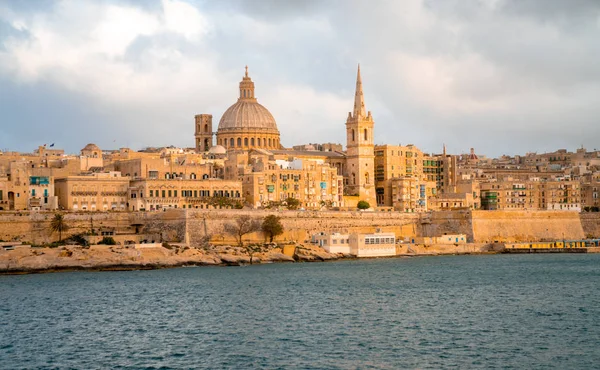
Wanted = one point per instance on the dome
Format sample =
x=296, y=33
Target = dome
x=217, y=149
x=247, y=124
x=91, y=147
x=248, y=115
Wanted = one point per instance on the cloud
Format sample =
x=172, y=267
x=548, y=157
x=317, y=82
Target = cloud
x=504, y=75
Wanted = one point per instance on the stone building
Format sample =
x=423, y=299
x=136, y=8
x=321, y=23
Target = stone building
x=158, y=194
x=314, y=183
x=105, y=191
x=91, y=156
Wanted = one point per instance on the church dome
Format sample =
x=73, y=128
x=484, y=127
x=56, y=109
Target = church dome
x=91, y=147
x=217, y=149
x=248, y=115
x=247, y=124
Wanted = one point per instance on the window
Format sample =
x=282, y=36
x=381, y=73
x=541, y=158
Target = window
x=239, y=142
x=252, y=141
x=163, y=193
x=246, y=141
x=231, y=142
x=33, y=192
x=170, y=193
x=175, y=193
x=352, y=135
x=366, y=135
x=153, y=174
x=269, y=141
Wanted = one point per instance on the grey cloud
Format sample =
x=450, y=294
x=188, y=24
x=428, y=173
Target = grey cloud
x=543, y=77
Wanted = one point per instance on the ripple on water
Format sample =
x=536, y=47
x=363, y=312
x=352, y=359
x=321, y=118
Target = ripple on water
x=488, y=311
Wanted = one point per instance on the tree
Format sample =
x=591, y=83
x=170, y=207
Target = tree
x=58, y=224
x=272, y=226
x=363, y=204
x=292, y=203
x=241, y=226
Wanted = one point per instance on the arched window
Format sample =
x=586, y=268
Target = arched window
x=205, y=176
x=245, y=141
x=252, y=141
x=193, y=176
x=353, y=178
x=167, y=176
x=269, y=142
x=239, y=142
x=206, y=128
x=366, y=135
x=366, y=178
x=231, y=143
x=352, y=135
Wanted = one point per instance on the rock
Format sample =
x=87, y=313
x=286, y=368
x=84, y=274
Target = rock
x=280, y=257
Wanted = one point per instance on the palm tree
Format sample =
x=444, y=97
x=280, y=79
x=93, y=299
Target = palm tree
x=58, y=224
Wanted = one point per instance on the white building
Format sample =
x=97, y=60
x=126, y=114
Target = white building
x=373, y=245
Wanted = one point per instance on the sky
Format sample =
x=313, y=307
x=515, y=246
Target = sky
x=501, y=76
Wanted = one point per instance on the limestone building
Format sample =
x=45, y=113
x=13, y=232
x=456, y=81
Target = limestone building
x=159, y=194
x=93, y=192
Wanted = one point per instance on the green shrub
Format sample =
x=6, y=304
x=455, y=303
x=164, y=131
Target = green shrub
x=363, y=205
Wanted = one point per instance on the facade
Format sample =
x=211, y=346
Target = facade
x=313, y=183
x=159, y=194
x=332, y=242
x=95, y=192
x=373, y=245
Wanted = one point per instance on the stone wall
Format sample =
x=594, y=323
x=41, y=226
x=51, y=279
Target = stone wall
x=194, y=225
x=34, y=227
x=299, y=225
x=591, y=224
x=517, y=226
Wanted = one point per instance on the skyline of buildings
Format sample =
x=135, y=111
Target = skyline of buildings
x=243, y=164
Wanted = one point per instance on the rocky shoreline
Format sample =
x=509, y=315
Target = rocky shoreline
x=27, y=260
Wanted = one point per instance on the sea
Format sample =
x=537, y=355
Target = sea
x=481, y=311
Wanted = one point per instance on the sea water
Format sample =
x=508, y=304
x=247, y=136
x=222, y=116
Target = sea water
x=510, y=311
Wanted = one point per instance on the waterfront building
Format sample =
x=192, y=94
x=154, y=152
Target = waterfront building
x=158, y=194
x=372, y=245
x=105, y=191
x=332, y=242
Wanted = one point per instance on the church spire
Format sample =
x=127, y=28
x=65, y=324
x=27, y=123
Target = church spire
x=359, y=100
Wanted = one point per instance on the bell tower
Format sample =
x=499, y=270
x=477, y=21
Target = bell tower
x=204, y=132
x=360, y=157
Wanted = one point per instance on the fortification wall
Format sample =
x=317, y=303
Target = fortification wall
x=591, y=224
x=34, y=227
x=195, y=225
x=300, y=225
x=447, y=222
x=517, y=226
